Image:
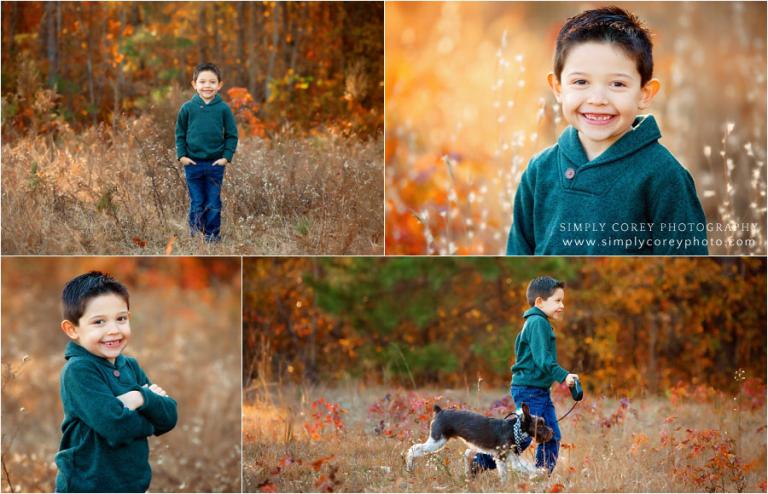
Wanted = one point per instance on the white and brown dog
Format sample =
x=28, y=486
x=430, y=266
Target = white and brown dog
x=496, y=437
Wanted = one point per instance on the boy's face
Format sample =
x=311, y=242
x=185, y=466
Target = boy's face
x=600, y=93
x=207, y=85
x=104, y=328
x=553, y=305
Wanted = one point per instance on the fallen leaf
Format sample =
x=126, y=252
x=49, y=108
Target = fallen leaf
x=169, y=245
x=317, y=464
x=267, y=486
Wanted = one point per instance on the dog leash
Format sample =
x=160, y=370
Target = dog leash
x=576, y=392
x=569, y=411
x=561, y=418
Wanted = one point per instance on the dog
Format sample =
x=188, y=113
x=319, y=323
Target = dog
x=496, y=437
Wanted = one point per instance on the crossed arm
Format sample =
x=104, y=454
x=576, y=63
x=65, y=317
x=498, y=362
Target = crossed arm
x=152, y=402
x=134, y=399
x=87, y=396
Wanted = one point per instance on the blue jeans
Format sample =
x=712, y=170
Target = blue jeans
x=204, y=183
x=540, y=403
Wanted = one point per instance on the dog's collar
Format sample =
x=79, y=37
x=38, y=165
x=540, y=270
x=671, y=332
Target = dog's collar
x=520, y=434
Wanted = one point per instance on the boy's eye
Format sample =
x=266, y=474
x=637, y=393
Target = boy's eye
x=98, y=321
x=619, y=84
x=579, y=82
x=122, y=318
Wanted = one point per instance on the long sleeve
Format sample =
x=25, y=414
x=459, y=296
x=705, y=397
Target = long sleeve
x=544, y=355
x=230, y=134
x=521, y=239
x=675, y=205
x=160, y=410
x=181, y=133
x=86, y=396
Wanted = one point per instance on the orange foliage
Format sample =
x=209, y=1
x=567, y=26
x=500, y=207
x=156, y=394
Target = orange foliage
x=246, y=109
x=709, y=460
x=138, y=53
x=660, y=325
x=326, y=419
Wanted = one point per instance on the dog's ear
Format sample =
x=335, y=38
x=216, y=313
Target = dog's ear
x=526, y=411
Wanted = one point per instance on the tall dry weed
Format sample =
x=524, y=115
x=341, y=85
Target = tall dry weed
x=651, y=444
x=121, y=191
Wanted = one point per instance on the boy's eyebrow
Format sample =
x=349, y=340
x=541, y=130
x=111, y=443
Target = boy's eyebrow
x=619, y=74
x=95, y=316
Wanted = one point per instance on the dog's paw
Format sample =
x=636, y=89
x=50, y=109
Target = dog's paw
x=538, y=474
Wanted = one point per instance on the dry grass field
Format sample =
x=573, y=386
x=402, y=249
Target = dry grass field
x=692, y=440
x=121, y=191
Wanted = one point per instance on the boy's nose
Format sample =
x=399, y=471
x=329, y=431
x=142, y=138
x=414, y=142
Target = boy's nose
x=597, y=96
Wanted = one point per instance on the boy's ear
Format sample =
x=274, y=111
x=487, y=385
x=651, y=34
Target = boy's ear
x=554, y=84
x=648, y=91
x=69, y=328
x=538, y=301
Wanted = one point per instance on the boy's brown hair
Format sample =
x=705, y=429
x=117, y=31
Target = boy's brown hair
x=207, y=66
x=607, y=25
x=544, y=287
x=80, y=290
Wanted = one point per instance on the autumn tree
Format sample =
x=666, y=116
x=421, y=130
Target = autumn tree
x=303, y=63
x=631, y=325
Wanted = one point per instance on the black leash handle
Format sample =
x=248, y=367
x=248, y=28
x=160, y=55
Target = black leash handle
x=577, y=393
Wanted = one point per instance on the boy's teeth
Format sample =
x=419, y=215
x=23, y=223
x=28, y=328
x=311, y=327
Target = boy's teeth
x=593, y=116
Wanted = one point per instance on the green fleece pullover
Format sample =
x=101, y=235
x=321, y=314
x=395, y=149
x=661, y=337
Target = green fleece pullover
x=206, y=131
x=536, y=353
x=104, y=446
x=634, y=198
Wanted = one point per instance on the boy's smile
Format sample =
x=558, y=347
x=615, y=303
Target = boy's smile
x=104, y=328
x=600, y=93
x=207, y=85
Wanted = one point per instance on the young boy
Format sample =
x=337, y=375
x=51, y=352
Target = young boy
x=607, y=186
x=110, y=406
x=206, y=139
x=536, y=366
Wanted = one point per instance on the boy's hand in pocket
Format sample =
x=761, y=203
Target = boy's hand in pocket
x=186, y=161
x=220, y=162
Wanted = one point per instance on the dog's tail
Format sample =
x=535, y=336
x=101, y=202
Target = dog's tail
x=437, y=409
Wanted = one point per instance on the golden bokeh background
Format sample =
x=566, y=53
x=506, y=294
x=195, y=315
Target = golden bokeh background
x=467, y=105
